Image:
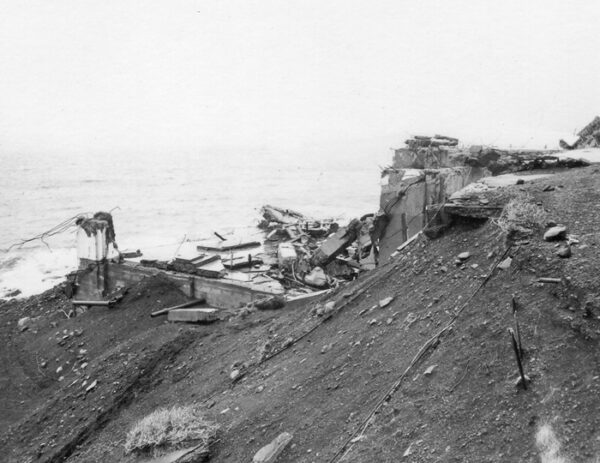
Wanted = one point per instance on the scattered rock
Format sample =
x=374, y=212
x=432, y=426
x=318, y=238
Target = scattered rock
x=505, y=264
x=326, y=348
x=260, y=388
x=24, y=323
x=235, y=375
x=410, y=319
x=564, y=252
x=373, y=321
x=520, y=181
x=386, y=301
x=558, y=232
x=429, y=370
x=548, y=188
x=464, y=256
x=91, y=386
x=270, y=452
x=59, y=370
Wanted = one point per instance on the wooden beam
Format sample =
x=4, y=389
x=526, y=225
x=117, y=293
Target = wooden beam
x=180, y=306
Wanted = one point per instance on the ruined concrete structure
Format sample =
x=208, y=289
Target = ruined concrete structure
x=426, y=172
x=419, y=181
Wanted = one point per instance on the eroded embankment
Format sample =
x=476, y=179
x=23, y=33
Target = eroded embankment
x=349, y=389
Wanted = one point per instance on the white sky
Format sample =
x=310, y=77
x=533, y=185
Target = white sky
x=87, y=77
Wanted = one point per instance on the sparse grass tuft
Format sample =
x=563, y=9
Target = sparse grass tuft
x=171, y=428
x=521, y=213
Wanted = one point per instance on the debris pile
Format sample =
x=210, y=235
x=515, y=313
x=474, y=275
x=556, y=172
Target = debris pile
x=301, y=253
x=589, y=137
x=316, y=253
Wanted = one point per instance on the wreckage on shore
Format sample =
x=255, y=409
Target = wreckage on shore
x=293, y=256
x=296, y=257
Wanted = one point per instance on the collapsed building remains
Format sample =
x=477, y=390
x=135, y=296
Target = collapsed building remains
x=428, y=170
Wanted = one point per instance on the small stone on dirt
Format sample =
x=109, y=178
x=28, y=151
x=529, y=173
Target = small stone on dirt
x=564, y=252
x=558, y=232
x=464, y=256
x=235, y=375
x=24, y=323
x=505, y=264
x=91, y=386
x=385, y=302
x=429, y=370
x=326, y=348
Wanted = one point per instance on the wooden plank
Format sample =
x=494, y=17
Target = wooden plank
x=180, y=306
x=227, y=245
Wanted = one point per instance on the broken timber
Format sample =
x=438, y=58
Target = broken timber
x=180, y=306
x=227, y=245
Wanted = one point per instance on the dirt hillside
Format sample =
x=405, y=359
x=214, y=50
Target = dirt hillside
x=429, y=377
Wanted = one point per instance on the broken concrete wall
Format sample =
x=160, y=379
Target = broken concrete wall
x=406, y=195
x=218, y=293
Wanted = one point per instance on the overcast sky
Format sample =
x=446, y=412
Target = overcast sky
x=84, y=76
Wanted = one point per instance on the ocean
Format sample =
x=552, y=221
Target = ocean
x=159, y=200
